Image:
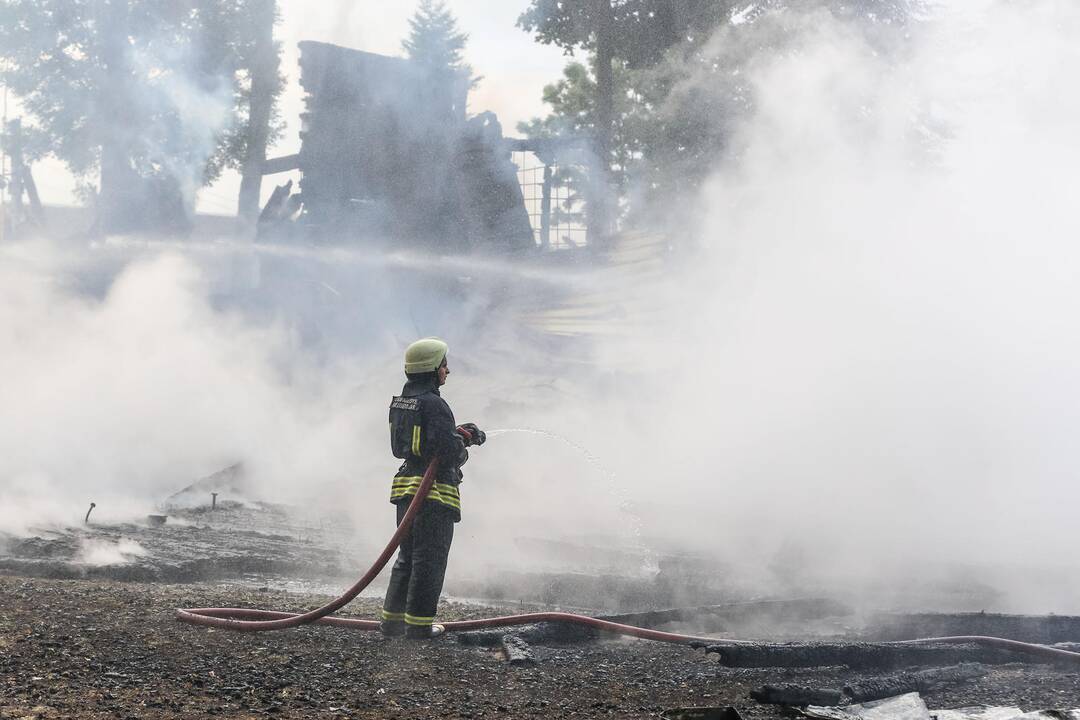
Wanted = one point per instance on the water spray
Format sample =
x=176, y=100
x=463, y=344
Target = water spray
x=625, y=504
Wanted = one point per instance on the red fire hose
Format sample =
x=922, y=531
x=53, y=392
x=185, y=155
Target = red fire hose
x=252, y=620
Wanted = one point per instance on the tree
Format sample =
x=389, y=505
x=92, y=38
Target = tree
x=573, y=116
x=678, y=84
x=147, y=93
x=635, y=33
x=585, y=24
x=437, y=45
x=619, y=36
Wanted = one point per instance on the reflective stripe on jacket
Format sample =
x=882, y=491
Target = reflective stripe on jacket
x=422, y=427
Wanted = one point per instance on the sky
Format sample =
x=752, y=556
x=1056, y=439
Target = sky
x=514, y=69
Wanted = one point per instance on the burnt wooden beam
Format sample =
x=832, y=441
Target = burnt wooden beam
x=855, y=655
x=538, y=634
x=547, y=149
x=920, y=681
x=796, y=695
x=480, y=638
x=36, y=211
x=285, y=163
x=917, y=681
x=702, y=713
x=517, y=651
x=1044, y=629
x=798, y=609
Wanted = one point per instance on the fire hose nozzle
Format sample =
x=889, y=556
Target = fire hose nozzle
x=86, y=520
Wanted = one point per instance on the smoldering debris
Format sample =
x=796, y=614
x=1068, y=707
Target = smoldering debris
x=602, y=574
x=98, y=552
x=911, y=706
x=799, y=695
x=856, y=655
x=756, y=618
x=65, y=641
x=517, y=652
x=547, y=634
x=233, y=480
x=256, y=541
x=915, y=681
x=702, y=713
x=1045, y=629
x=872, y=688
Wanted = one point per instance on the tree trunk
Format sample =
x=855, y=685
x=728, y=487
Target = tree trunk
x=263, y=69
x=601, y=214
x=14, y=130
x=119, y=183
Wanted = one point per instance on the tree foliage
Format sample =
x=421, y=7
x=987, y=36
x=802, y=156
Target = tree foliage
x=436, y=44
x=164, y=80
x=642, y=30
x=679, y=77
x=572, y=100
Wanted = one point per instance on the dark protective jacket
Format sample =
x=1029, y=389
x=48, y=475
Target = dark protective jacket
x=422, y=427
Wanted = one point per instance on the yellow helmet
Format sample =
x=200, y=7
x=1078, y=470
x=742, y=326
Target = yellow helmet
x=425, y=355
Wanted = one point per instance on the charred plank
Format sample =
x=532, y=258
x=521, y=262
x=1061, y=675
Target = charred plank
x=538, y=634
x=517, y=651
x=796, y=695
x=855, y=655
x=915, y=681
x=797, y=609
x=285, y=163
x=1043, y=629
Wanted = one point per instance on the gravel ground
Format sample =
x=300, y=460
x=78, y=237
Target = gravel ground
x=101, y=649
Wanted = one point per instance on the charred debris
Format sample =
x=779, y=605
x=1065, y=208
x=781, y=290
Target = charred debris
x=388, y=154
x=809, y=653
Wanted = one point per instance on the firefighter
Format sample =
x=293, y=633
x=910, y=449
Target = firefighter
x=421, y=428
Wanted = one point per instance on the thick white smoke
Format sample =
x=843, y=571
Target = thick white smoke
x=869, y=369
x=125, y=398
x=863, y=375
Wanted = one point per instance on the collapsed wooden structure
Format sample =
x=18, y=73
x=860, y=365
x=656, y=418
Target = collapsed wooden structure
x=388, y=156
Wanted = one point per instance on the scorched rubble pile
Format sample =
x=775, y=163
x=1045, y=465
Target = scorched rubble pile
x=99, y=649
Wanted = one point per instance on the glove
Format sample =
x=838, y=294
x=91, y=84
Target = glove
x=471, y=434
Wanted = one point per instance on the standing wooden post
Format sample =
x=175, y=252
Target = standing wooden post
x=263, y=69
x=545, y=209
x=37, y=213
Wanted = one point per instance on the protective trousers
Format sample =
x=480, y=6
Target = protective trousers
x=417, y=576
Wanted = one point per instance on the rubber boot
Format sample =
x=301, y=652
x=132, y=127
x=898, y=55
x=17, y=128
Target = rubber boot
x=392, y=628
x=424, y=632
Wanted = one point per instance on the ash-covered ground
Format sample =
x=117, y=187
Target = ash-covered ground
x=88, y=631
x=232, y=541
x=105, y=649
x=267, y=544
